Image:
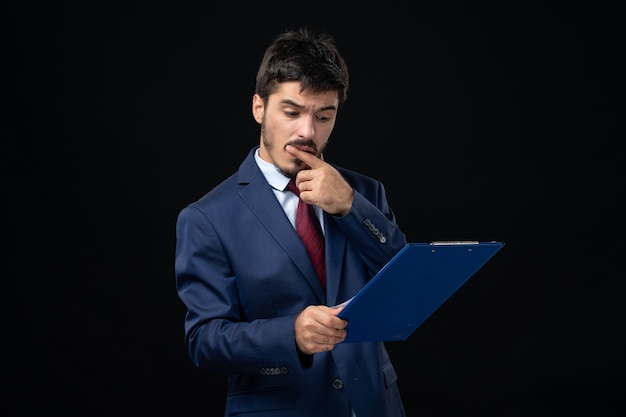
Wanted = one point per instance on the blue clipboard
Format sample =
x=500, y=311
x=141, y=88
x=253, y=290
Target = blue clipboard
x=410, y=287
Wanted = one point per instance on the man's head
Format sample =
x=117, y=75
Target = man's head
x=300, y=55
x=301, y=83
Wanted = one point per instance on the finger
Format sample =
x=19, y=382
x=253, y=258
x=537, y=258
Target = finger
x=336, y=309
x=333, y=323
x=309, y=159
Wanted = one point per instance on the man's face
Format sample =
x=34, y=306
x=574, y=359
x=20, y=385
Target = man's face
x=291, y=117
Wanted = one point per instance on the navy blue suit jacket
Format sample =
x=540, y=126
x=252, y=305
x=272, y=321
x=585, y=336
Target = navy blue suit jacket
x=244, y=275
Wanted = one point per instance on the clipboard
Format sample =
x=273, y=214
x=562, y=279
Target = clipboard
x=410, y=287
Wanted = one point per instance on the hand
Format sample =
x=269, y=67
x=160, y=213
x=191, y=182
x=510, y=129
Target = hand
x=318, y=329
x=322, y=185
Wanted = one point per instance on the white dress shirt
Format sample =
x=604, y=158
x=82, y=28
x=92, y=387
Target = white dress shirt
x=287, y=199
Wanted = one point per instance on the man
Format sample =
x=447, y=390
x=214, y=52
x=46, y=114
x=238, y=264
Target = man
x=256, y=309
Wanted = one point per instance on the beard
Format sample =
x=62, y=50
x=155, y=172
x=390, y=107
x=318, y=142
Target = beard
x=268, y=142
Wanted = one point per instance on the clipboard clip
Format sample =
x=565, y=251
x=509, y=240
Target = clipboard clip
x=454, y=242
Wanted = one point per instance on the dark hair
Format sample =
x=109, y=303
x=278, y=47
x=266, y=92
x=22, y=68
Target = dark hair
x=304, y=56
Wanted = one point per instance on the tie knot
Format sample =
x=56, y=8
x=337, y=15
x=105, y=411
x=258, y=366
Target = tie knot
x=293, y=188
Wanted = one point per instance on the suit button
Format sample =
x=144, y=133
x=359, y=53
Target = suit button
x=337, y=383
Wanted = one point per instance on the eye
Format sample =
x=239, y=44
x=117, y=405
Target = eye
x=291, y=113
x=323, y=117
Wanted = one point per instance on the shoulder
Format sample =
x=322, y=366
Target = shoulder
x=359, y=181
x=227, y=191
x=220, y=194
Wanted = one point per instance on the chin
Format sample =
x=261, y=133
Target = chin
x=289, y=171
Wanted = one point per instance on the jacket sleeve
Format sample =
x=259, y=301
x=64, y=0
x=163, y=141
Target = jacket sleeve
x=217, y=337
x=371, y=226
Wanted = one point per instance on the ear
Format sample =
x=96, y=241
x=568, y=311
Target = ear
x=258, y=108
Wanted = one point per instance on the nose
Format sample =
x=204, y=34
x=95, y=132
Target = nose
x=306, y=127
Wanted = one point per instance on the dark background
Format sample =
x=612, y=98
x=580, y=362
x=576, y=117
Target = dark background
x=499, y=117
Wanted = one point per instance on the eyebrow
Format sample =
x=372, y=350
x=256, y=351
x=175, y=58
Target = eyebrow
x=300, y=106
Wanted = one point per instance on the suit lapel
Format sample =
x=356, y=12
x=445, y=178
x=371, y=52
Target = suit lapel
x=259, y=197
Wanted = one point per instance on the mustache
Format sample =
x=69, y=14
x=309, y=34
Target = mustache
x=306, y=143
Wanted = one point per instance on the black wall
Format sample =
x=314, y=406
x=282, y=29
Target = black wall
x=502, y=119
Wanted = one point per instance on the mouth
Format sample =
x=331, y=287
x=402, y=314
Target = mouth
x=305, y=148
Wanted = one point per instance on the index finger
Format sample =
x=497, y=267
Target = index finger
x=309, y=159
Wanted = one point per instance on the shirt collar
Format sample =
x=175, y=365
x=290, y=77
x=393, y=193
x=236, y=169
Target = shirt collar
x=274, y=178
